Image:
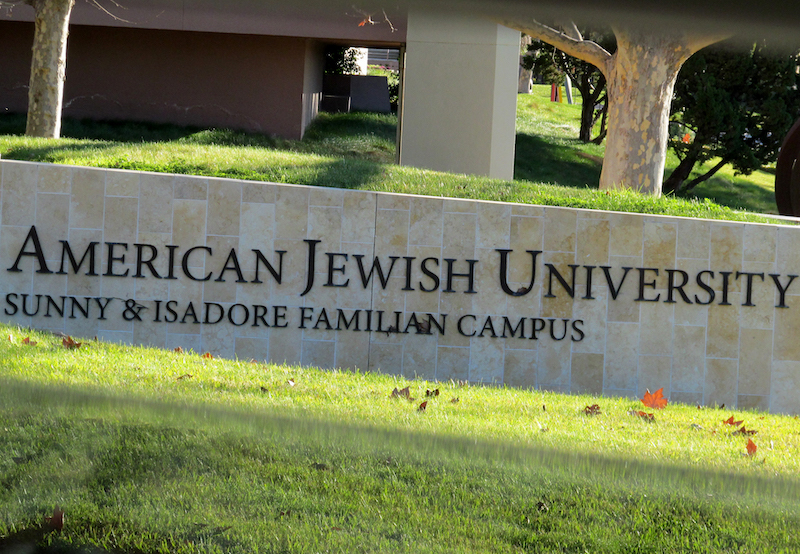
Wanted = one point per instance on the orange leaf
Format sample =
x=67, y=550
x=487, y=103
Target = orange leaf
x=643, y=415
x=184, y=376
x=655, y=400
x=730, y=421
x=208, y=356
x=455, y=400
x=744, y=431
x=29, y=342
x=69, y=342
x=423, y=406
x=178, y=349
x=751, y=447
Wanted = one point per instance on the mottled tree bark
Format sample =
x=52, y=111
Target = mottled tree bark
x=640, y=79
x=48, y=67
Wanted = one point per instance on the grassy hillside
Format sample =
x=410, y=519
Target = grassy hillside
x=149, y=451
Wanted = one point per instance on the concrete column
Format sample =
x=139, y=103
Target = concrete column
x=459, y=95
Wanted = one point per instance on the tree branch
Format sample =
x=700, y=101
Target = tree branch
x=585, y=50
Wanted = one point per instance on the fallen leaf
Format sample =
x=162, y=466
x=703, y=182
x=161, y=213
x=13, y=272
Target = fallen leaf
x=29, y=342
x=423, y=406
x=208, y=356
x=730, y=421
x=424, y=327
x=69, y=342
x=592, y=410
x=751, y=447
x=544, y=408
x=455, y=400
x=655, y=400
x=11, y=338
x=290, y=382
x=320, y=467
x=264, y=389
x=643, y=415
x=744, y=431
x=184, y=376
x=434, y=392
x=56, y=521
x=401, y=393
x=178, y=349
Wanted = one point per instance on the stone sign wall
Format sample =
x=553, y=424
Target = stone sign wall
x=553, y=298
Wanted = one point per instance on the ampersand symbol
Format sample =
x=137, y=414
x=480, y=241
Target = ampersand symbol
x=132, y=311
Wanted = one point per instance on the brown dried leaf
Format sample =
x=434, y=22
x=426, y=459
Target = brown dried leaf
x=207, y=356
x=69, y=342
x=455, y=400
x=29, y=342
x=730, y=421
x=644, y=415
x=592, y=410
x=751, y=447
x=434, y=392
x=178, y=349
x=744, y=431
x=291, y=382
x=423, y=406
x=184, y=376
x=401, y=393
x=56, y=521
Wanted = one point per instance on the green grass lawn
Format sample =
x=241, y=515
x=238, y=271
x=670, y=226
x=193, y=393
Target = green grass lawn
x=153, y=451
x=357, y=151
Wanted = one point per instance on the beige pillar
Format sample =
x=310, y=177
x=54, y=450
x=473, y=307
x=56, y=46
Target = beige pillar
x=459, y=95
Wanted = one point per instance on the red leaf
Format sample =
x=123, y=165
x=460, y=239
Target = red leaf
x=423, y=406
x=208, y=356
x=56, y=521
x=730, y=421
x=594, y=409
x=751, y=447
x=643, y=415
x=655, y=400
x=29, y=342
x=744, y=431
x=178, y=349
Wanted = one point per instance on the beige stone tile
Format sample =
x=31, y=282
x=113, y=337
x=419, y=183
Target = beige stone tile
x=82, y=329
x=219, y=339
x=660, y=244
x=560, y=230
x=150, y=288
x=187, y=343
x=591, y=316
x=117, y=337
x=318, y=354
x=86, y=203
x=785, y=388
x=257, y=232
x=755, y=361
x=654, y=373
x=593, y=236
x=386, y=358
x=694, y=237
x=556, y=299
x=121, y=219
x=224, y=203
x=524, y=266
x=459, y=238
x=52, y=222
x=258, y=193
x=787, y=254
x=626, y=235
x=723, y=329
x=720, y=384
x=19, y=204
x=323, y=196
x=154, y=335
x=191, y=188
x=525, y=234
x=553, y=363
x=425, y=223
x=726, y=246
x=247, y=349
x=452, y=363
x=325, y=224
x=56, y=179
x=391, y=233
x=688, y=398
x=291, y=213
x=294, y=278
x=763, y=295
x=122, y=183
x=657, y=322
x=185, y=290
x=490, y=298
x=787, y=321
x=695, y=313
x=358, y=217
x=624, y=308
x=486, y=361
x=155, y=203
x=587, y=373
x=352, y=350
x=520, y=368
x=419, y=357
x=528, y=305
x=493, y=225
x=527, y=210
x=387, y=201
x=285, y=346
x=759, y=243
x=458, y=205
x=753, y=402
x=622, y=356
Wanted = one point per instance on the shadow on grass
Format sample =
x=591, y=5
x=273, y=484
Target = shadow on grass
x=542, y=161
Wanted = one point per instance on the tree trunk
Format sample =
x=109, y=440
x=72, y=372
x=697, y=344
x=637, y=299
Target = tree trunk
x=679, y=175
x=640, y=84
x=48, y=67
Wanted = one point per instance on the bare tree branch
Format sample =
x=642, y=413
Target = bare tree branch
x=585, y=50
